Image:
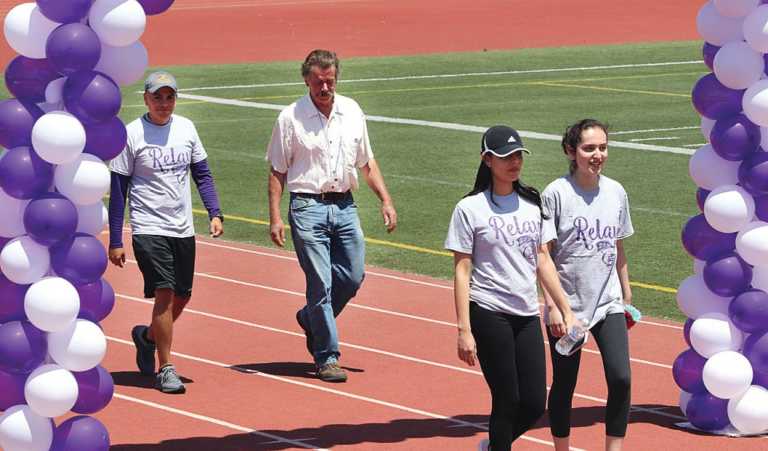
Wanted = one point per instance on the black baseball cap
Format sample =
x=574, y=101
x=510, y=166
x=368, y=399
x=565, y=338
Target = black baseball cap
x=501, y=141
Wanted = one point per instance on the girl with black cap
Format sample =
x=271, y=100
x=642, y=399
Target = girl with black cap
x=495, y=235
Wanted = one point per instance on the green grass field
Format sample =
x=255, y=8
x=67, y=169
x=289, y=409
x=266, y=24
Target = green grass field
x=428, y=169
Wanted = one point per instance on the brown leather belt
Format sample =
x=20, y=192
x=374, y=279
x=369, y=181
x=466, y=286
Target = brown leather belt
x=329, y=196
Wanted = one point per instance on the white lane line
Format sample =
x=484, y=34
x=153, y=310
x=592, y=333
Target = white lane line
x=207, y=419
x=367, y=399
x=649, y=130
x=440, y=125
x=697, y=145
x=656, y=138
x=457, y=75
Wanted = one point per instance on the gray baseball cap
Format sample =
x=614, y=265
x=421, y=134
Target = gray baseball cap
x=160, y=79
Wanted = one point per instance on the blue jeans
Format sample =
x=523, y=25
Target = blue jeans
x=331, y=251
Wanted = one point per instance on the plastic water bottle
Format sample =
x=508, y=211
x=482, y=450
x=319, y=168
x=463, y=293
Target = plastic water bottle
x=571, y=342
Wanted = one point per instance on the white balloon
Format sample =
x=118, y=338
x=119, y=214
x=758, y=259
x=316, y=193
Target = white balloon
x=685, y=397
x=712, y=333
x=117, y=22
x=755, y=103
x=23, y=429
x=708, y=170
x=752, y=243
x=756, y=29
x=763, y=138
x=707, y=125
x=54, y=91
x=12, y=212
x=717, y=29
x=51, y=304
x=58, y=137
x=735, y=8
x=92, y=218
x=738, y=66
x=84, y=181
x=27, y=29
x=79, y=347
x=125, y=65
x=760, y=278
x=727, y=374
x=698, y=266
x=24, y=261
x=749, y=411
x=696, y=300
x=51, y=390
x=729, y=208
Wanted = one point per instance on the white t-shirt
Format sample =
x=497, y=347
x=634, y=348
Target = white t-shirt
x=503, y=240
x=585, y=226
x=320, y=154
x=157, y=158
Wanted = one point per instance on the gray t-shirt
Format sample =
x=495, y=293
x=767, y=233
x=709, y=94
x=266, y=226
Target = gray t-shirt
x=585, y=226
x=503, y=240
x=157, y=158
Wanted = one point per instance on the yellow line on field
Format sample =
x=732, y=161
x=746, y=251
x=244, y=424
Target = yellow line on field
x=654, y=287
x=602, y=88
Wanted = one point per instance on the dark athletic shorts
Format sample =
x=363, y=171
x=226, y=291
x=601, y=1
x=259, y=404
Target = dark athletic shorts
x=165, y=262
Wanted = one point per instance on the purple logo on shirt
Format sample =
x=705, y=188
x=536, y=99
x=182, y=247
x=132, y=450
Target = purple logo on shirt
x=170, y=161
x=601, y=237
x=524, y=234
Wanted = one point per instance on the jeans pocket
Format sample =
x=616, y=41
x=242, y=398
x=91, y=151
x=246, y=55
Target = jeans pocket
x=299, y=204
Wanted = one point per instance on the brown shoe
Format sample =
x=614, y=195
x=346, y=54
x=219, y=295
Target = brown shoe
x=331, y=372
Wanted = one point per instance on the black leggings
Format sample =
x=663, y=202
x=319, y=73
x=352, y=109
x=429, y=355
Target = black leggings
x=611, y=337
x=511, y=353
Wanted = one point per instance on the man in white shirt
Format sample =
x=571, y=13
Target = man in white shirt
x=317, y=145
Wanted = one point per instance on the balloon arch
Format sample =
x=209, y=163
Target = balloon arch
x=57, y=131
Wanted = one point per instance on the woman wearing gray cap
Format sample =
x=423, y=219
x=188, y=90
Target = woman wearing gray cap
x=152, y=174
x=495, y=236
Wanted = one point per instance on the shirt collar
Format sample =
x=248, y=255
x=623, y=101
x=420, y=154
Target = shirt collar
x=308, y=108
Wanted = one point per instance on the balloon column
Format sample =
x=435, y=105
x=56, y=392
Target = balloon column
x=724, y=374
x=56, y=131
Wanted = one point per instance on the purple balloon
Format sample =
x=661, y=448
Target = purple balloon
x=687, y=370
x=106, y=139
x=11, y=389
x=713, y=100
x=96, y=300
x=64, y=11
x=27, y=78
x=22, y=347
x=756, y=350
x=11, y=300
x=17, y=117
x=687, y=331
x=81, y=259
x=735, y=137
x=753, y=173
x=701, y=197
x=761, y=207
x=152, y=7
x=749, y=311
x=73, y=47
x=23, y=174
x=701, y=241
x=707, y=412
x=80, y=433
x=727, y=274
x=95, y=390
x=91, y=96
x=708, y=52
x=50, y=218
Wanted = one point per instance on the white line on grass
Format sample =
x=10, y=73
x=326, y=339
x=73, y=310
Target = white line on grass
x=459, y=75
x=440, y=125
x=655, y=138
x=649, y=130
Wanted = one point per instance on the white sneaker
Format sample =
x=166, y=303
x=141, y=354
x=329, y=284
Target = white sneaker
x=483, y=445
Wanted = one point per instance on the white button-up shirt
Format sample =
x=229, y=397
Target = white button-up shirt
x=320, y=154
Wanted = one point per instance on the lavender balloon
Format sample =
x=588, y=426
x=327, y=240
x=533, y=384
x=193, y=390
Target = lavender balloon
x=50, y=218
x=106, y=139
x=27, y=78
x=708, y=51
x=73, y=47
x=11, y=389
x=152, y=7
x=756, y=350
x=735, y=137
x=707, y=412
x=749, y=311
x=727, y=275
x=701, y=197
x=80, y=433
x=91, y=96
x=11, y=300
x=64, y=11
x=96, y=300
x=17, y=118
x=23, y=174
x=703, y=242
x=753, y=173
x=22, y=347
x=687, y=371
x=713, y=100
x=95, y=390
x=81, y=259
